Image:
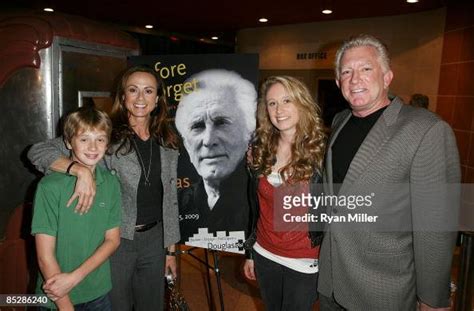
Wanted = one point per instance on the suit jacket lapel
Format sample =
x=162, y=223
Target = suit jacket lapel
x=372, y=144
x=337, y=126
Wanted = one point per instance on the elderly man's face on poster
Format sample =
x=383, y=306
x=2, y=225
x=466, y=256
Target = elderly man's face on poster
x=216, y=121
x=214, y=134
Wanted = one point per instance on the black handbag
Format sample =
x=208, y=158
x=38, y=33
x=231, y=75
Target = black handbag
x=176, y=301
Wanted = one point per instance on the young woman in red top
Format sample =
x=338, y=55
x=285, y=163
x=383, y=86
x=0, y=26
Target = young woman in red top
x=287, y=161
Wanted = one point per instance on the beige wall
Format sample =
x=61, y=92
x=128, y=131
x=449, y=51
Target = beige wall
x=415, y=42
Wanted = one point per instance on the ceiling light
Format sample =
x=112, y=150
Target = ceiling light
x=263, y=20
x=149, y=26
x=412, y=1
x=48, y=9
x=326, y=6
x=215, y=38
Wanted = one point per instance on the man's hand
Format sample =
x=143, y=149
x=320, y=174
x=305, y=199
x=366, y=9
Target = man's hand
x=249, y=269
x=84, y=190
x=59, y=285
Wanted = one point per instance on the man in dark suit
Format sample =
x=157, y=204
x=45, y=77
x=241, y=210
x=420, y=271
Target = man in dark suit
x=407, y=160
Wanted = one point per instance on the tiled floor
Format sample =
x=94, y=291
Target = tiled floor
x=239, y=293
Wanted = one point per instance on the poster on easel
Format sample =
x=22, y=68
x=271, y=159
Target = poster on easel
x=213, y=100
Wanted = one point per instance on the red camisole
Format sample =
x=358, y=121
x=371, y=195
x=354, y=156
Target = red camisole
x=273, y=233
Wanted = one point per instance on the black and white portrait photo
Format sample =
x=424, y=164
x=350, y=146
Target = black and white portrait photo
x=216, y=122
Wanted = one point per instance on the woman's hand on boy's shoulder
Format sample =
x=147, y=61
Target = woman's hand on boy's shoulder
x=84, y=191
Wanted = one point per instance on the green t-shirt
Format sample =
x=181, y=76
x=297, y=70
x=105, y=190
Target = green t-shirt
x=78, y=236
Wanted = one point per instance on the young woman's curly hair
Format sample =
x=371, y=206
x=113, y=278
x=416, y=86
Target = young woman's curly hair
x=307, y=152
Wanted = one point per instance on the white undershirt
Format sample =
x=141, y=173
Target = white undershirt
x=303, y=265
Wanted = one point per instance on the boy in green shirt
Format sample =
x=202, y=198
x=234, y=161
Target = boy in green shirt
x=73, y=249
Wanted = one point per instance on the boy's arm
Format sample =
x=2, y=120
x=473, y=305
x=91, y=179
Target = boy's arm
x=62, y=283
x=45, y=248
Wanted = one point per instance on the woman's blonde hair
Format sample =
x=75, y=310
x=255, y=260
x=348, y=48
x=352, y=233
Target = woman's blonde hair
x=307, y=152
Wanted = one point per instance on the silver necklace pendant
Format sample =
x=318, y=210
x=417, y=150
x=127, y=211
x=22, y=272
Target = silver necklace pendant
x=146, y=174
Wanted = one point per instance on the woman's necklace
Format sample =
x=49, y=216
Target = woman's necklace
x=146, y=174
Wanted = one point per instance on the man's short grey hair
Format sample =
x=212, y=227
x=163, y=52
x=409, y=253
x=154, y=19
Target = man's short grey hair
x=219, y=80
x=359, y=41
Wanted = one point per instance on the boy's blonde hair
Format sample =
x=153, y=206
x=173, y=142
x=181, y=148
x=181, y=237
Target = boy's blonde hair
x=84, y=119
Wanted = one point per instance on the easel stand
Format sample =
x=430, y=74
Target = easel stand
x=209, y=267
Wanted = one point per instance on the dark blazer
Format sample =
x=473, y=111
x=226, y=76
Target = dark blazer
x=375, y=270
